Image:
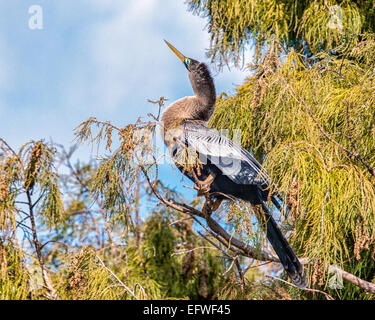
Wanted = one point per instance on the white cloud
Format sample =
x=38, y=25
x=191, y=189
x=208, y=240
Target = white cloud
x=104, y=61
x=121, y=48
x=130, y=60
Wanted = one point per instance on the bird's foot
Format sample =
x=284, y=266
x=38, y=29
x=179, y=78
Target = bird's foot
x=203, y=187
x=211, y=205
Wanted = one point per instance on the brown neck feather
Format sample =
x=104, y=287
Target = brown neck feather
x=199, y=107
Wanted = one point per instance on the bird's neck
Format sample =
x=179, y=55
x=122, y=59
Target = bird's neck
x=204, y=90
x=187, y=108
x=199, y=107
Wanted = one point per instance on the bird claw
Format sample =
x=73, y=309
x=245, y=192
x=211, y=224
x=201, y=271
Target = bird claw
x=203, y=187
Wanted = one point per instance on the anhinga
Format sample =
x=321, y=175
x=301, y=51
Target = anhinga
x=215, y=174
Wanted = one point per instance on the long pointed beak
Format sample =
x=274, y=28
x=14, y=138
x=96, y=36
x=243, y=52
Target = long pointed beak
x=177, y=53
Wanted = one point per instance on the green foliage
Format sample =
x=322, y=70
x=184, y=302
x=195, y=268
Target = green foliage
x=192, y=274
x=308, y=110
x=87, y=278
x=26, y=173
x=94, y=242
x=315, y=124
x=14, y=278
x=308, y=25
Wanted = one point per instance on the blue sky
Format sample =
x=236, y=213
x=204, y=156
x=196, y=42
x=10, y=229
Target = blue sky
x=101, y=58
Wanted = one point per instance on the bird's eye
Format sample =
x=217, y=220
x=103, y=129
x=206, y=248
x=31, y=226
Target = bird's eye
x=187, y=61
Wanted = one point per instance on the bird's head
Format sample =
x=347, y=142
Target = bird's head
x=200, y=77
x=190, y=64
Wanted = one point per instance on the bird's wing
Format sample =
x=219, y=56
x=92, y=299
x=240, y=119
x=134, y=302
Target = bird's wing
x=233, y=161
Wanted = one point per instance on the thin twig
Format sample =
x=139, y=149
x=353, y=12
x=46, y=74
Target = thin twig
x=187, y=251
x=122, y=284
x=328, y=297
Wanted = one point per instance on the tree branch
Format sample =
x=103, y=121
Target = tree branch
x=228, y=240
x=363, y=284
x=121, y=283
x=47, y=281
x=248, y=251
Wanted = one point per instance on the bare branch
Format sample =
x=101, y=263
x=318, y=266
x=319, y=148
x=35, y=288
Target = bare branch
x=365, y=285
x=328, y=297
x=121, y=283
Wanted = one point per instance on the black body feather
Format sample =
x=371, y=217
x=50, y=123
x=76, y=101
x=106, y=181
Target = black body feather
x=237, y=175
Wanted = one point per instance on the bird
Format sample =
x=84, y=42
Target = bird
x=220, y=168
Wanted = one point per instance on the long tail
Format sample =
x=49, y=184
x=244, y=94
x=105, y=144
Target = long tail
x=281, y=246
